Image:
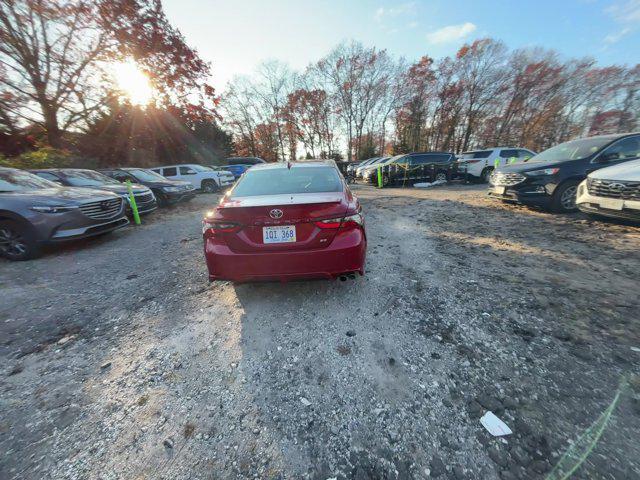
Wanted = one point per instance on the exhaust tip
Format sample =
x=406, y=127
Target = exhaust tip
x=343, y=278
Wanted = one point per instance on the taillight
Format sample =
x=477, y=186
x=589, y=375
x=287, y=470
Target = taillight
x=329, y=223
x=472, y=161
x=211, y=228
x=342, y=222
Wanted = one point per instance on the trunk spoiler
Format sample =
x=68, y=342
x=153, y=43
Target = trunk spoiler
x=286, y=199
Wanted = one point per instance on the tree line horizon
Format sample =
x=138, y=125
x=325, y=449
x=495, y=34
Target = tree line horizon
x=58, y=108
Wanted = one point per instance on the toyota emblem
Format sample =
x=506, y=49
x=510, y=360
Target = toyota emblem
x=275, y=213
x=617, y=186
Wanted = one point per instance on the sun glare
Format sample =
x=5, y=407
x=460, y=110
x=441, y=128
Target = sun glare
x=134, y=84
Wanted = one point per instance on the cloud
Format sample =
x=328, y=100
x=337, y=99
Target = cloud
x=389, y=12
x=615, y=37
x=451, y=33
x=627, y=15
x=625, y=12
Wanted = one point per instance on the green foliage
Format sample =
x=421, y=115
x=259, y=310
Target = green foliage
x=44, y=157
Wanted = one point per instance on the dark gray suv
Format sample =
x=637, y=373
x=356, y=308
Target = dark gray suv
x=34, y=211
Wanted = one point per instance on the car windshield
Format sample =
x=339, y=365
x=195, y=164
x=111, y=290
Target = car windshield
x=87, y=178
x=19, y=181
x=143, y=175
x=396, y=158
x=573, y=150
x=297, y=179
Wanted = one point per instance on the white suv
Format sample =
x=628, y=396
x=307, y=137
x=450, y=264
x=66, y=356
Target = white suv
x=612, y=192
x=200, y=177
x=480, y=163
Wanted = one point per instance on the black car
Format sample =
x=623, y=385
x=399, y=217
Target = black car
x=166, y=191
x=550, y=179
x=80, y=177
x=414, y=168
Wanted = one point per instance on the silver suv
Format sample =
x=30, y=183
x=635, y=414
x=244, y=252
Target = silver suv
x=35, y=211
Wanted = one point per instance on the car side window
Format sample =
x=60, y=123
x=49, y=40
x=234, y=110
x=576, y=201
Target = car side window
x=170, y=172
x=438, y=158
x=419, y=160
x=524, y=154
x=187, y=171
x=625, y=149
x=508, y=153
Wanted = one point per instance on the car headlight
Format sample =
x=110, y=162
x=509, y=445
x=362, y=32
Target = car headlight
x=544, y=171
x=52, y=208
x=171, y=189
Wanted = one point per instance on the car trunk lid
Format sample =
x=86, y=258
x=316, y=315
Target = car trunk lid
x=299, y=211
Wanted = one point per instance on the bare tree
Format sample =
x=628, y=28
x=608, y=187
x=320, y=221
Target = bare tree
x=48, y=50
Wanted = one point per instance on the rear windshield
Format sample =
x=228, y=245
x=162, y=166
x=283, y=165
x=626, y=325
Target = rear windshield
x=19, y=181
x=278, y=181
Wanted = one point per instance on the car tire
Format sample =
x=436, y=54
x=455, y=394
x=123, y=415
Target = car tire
x=441, y=176
x=564, y=197
x=209, y=186
x=385, y=180
x=486, y=174
x=17, y=242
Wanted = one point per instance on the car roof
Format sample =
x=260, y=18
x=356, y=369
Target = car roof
x=296, y=164
x=178, y=165
x=63, y=170
x=428, y=153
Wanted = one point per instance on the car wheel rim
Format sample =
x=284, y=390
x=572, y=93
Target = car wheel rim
x=12, y=243
x=568, y=198
x=440, y=177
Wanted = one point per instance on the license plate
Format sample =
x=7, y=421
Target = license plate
x=611, y=203
x=499, y=190
x=280, y=234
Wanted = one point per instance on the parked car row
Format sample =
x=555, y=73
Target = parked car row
x=477, y=165
x=48, y=206
x=409, y=168
x=597, y=175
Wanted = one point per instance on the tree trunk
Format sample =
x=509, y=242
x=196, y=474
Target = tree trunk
x=50, y=114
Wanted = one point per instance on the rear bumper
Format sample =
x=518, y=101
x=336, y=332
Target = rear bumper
x=346, y=254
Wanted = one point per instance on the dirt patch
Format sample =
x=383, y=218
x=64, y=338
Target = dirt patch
x=468, y=305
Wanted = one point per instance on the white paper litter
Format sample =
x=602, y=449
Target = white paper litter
x=429, y=185
x=494, y=425
x=635, y=349
x=305, y=402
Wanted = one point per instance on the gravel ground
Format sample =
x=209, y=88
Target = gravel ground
x=120, y=360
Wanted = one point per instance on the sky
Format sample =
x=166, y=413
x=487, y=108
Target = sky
x=235, y=36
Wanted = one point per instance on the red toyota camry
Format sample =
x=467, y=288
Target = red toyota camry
x=286, y=221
